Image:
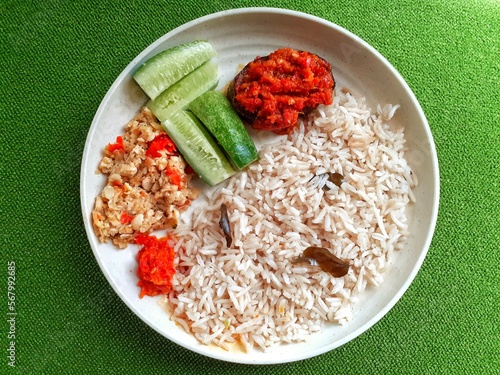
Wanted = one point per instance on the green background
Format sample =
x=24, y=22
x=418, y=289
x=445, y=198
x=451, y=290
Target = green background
x=58, y=60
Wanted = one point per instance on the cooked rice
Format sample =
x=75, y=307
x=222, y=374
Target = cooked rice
x=253, y=292
x=139, y=186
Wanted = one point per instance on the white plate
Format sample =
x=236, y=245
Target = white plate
x=238, y=36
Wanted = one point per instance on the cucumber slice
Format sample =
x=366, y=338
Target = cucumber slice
x=218, y=115
x=164, y=69
x=198, y=147
x=181, y=93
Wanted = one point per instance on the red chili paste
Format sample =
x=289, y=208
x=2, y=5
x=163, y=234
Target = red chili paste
x=156, y=265
x=273, y=91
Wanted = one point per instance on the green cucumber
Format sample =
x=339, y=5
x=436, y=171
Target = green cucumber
x=164, y=69
x=181, y=93
x=216, y=112
x=198, y=147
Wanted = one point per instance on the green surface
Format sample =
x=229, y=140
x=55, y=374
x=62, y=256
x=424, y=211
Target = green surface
x=59, y=59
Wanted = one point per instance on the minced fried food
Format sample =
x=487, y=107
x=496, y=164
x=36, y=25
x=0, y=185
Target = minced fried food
x=147, y=185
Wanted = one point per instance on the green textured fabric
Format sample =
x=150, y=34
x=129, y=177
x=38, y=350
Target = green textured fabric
x=58, y=59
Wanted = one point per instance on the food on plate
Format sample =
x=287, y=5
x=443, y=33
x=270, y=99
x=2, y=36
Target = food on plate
x=166, y=68
x=198, y=147
x=147, y=185
x=254, y=293
x=271, y=92
x=289, y=241
x=322, y=257
x=181, y=93
x=215, y=111
x=156, y=265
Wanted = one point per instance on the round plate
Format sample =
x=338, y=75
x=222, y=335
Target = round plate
x=239, y=36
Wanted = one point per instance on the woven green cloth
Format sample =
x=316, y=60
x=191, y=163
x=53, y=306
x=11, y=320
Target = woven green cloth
x=58, y=59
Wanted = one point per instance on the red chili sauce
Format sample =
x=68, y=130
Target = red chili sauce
x=273, y=91
x=156, y=265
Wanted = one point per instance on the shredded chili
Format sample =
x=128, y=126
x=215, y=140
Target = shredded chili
x=117, y=146
x=156, y=265
x=126, y=218
x=174, y=176
x=159, y=143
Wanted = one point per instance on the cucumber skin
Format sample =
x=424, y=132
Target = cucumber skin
x=167, y=67
x=184, y=129
x=218, y=115
x=180, y=94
